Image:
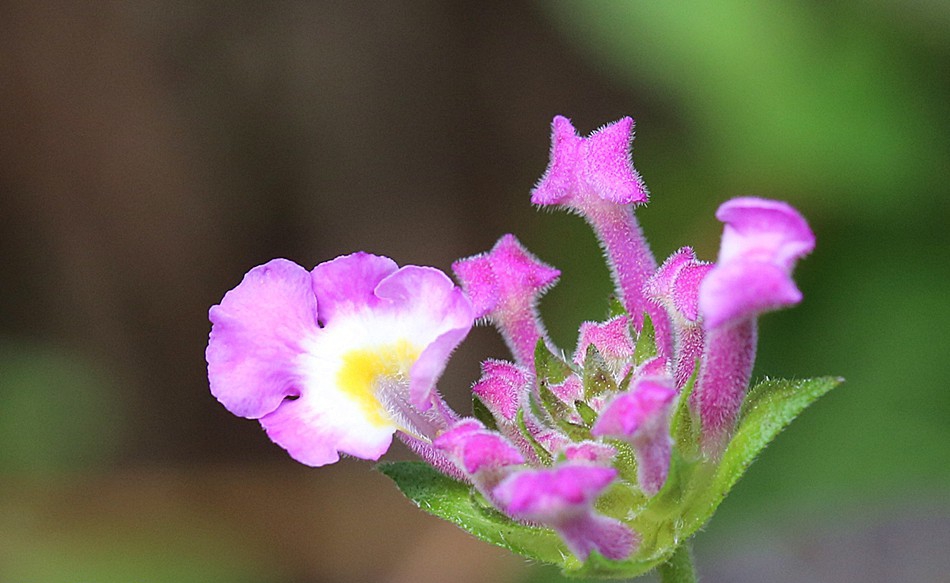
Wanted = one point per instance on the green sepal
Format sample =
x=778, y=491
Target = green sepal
x=586, y=413
x=481, y=412
x=559, y=412
x=548, y=366
x=645, y=347
x=684, y=427
x=557, y=408
x=615, y=308
x=450, y=500
x=596, y=375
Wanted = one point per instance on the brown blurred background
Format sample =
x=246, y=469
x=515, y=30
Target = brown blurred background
x=152, y=152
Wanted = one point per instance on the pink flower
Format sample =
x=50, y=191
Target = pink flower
x=595, y=178
x=761, y=242
x=502, y=386
x=562, y=498
x=641, y=417
x=675, y=286
x=612, y=339
x=504, y=286
x=337, y=359
x=483, y=456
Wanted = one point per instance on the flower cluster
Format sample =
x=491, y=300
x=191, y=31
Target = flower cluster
x=619, y=448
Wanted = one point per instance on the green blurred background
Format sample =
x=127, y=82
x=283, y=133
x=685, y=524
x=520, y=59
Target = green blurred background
x=151, y=152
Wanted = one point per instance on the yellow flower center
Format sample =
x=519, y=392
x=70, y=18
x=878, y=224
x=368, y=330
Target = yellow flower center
x=362, y=369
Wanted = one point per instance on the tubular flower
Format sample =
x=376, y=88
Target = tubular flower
x=641, y=417
x=505, y=285
x=563, y=498
x=595, y=178
x=337, y=359
x=675, y=286
x=761, y=242
x=485, y=457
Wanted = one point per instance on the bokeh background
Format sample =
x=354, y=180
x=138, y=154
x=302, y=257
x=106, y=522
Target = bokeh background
x=153, y=151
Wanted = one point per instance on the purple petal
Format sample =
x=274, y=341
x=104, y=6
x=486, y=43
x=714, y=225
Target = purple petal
x=610, y=170
x=768, y=230
x=592, y=532
x=761, y=242
x=686, y=289
x=256, y=336
x=348, y=282
x=563, y=497
x=477, y=449
x=436, y=313
x=566, y=163
x=505, y=285
x=676, y=283
x=611, y=338
x=313, y=430
x=479, y=281
x=743, y=289
x=637, y=410
x=546, y=495
x=592, y=452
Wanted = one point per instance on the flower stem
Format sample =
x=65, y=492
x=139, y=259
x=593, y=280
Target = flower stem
x=679, y=569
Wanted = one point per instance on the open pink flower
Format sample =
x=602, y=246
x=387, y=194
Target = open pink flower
x=337, y=359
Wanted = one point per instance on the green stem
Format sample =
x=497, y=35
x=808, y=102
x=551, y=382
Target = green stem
x=679, y=569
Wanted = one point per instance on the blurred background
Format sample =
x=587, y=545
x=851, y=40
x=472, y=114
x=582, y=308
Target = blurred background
x=152, y=152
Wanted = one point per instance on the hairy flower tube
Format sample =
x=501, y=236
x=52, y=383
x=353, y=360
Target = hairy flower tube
x=603, y=462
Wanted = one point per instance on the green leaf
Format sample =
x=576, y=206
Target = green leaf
x=645, y=348
x=768, y=408
x=450, y=500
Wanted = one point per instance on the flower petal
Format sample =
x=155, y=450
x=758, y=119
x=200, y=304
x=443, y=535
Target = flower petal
x=320, y=423
x=501, y=387
x=610, y=170
x=743, y=289
x=766, y=229
x=348, y=282
x=435, y=314
x=256, y=336
x=761, y=242
x=566, y=163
